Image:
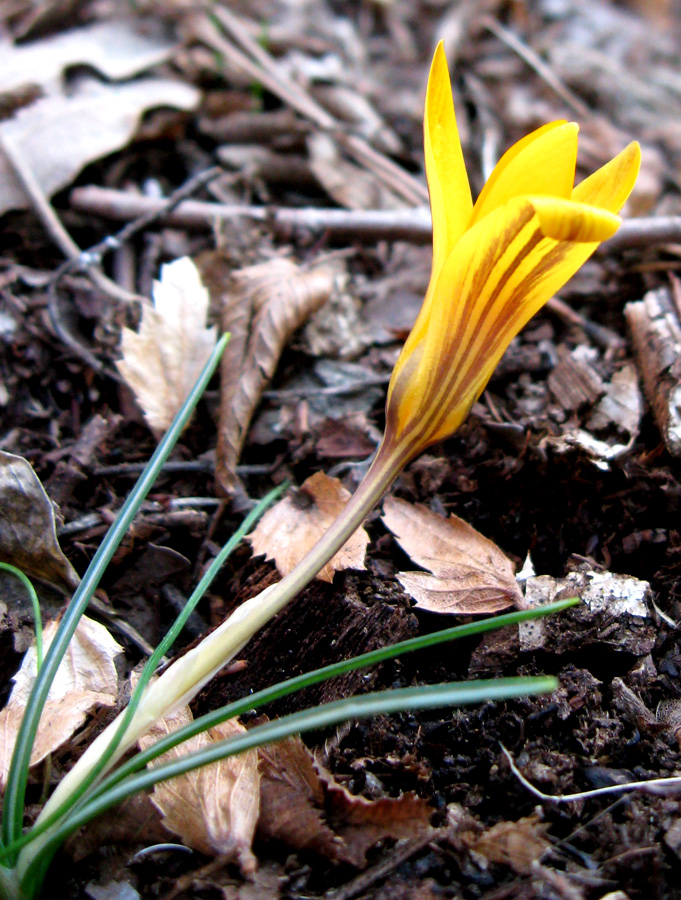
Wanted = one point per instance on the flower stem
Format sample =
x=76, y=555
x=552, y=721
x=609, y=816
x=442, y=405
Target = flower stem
x=186, y=676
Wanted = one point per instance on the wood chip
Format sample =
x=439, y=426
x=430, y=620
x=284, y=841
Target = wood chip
x=656, y=335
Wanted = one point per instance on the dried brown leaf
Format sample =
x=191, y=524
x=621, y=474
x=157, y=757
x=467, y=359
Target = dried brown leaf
x=469, y=573
x=305, y=807
x=290, y=528
x=162, y=361
x=213, y=809
x=514, y=844
x=115, y=47
x=263, y=306
x=86, y=678
x=361, y=823
x=58, y=135
x=292, y=798
x=28, y=535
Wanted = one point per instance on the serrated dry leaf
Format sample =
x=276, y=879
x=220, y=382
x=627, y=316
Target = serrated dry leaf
x=28, y=534
x=58, y=135
x=303, y=806
x=290, y=528
x=213, y=809
x=470, y=574
x=86, y=678
x=263, y=306
x=162, y=361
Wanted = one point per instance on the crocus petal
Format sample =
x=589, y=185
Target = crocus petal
x=610, y=186
x=450, y=193
x=565, y=220
x=498, y=276
x=541, y=163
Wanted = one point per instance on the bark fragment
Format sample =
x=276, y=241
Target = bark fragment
x=656, y=335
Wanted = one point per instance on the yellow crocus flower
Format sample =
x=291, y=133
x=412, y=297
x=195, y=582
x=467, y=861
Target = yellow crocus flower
x=495, y=262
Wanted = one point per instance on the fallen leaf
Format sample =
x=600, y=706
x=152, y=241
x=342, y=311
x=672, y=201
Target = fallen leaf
x=115, y=47
x=213, y=809
x=28, y=534
x=58, y=135
x=514, y=844
x=303, y=806
x=469, y=573
x=86, y=678
x=290, y=528
x=162, y=361
x=262, y=306
x=292, y=798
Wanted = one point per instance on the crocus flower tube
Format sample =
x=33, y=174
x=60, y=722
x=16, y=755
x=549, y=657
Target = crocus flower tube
x=495, y=263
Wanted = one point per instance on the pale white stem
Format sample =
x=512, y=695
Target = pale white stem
x=186, y=676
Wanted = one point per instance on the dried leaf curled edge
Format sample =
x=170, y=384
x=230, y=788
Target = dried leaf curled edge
x=28, y=533
x=470, y=574
x=86, y=678
x=213, y=809
x=263, y=306
x=303, y=806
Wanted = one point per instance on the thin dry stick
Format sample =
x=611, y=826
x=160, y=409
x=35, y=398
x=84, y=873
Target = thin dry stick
x=671, y=785
x=538, y=66
x=411, y=225
x=258, y=64
x=45, y=211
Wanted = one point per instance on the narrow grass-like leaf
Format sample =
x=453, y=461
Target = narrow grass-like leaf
x=35, y=607
x=300, y=682
x=13, y=812
x=290, y=686
x=148, y=671
x=365, y=706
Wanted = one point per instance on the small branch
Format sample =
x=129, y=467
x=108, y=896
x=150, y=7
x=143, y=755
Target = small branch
x=539, y=66
x=260, y=66
x=411, y=225
x=671, y=785
x=45, y=212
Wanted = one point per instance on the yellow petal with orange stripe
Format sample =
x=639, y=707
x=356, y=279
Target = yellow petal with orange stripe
x=541, y=163
x=495, y=265
x=450, y=193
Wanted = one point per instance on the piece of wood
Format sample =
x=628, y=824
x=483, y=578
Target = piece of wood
x=656, y=335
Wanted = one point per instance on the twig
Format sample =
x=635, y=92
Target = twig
x=259, y=65
x=60, y=327
x=44, y=210
x=112, y=242
x=91, y=259
x=411, y=225
x=671, y=785
x=538, y=65
x=396, y=857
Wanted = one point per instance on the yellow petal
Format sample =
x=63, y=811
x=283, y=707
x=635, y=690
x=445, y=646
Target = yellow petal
x=541, y=163
x=498, y=276
x=450, y=193
x=565, y=220
x=609, y=187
